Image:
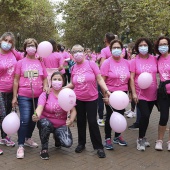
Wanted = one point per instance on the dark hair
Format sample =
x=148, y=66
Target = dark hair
x=157, y=44
x=150, y=50
x=54, y=44
x=109, y=37
x=58, y=47
x=58, y=73
x=115, y=41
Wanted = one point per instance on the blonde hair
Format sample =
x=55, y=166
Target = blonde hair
x=10, y=34
x=77, y=46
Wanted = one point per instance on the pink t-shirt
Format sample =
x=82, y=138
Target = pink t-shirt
x=84, y=80
x=164, y=70
x=54, y=60
x=106, y=53
x=140, y=65
x=117, y=74
x=24, y=88
x=7, y=67
x=52, y=111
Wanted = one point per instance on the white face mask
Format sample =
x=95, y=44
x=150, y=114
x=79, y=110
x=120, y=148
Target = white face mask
x=143, y=50
x=116, y=52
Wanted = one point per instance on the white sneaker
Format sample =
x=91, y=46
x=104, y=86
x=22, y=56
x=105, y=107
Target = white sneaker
x=140, y=144
x=168, y=145
x=127, y=112
x=158, y=145
x=131, y=114
x=20, y=152
x=101, y=122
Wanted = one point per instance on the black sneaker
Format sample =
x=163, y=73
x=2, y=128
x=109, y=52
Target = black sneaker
x=57, y=145
x=135, y=126
x=101, y=153
x=44, y=154
x=79, y=148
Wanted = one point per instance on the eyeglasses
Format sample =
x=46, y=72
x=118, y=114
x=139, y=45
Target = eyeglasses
x=116, y=48
x=78, y=51
x=145, y=45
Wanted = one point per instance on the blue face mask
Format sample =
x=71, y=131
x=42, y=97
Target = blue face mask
x=163, y=49
x=6, y=46
x=143, y=50
x=116, y=52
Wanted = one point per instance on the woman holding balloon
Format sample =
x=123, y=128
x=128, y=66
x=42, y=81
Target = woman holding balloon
x=144, y=86
x=52, y=118
x=8, y=60
x=29, y=82
x=116, y=74
x=85, y=75
x=162, y=47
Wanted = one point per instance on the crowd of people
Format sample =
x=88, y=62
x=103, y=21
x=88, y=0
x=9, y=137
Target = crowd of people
x=33, y=83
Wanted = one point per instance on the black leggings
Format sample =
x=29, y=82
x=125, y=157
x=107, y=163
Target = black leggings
x=164, y=104
x=108, y=129
x=145, y=108
x=62, y=135
x=87, y=110
x=5, y=108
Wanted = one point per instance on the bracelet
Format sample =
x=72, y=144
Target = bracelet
x=106, y=91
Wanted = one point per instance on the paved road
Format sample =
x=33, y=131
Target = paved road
x=122, y=158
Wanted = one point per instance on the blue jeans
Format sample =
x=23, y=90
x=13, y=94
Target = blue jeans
x=26, y=124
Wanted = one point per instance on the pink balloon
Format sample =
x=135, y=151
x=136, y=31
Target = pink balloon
x=67, y=99
x=11, y=123
x=118, y=122
x=145, y=80
x=119, y=100
x=44, y=49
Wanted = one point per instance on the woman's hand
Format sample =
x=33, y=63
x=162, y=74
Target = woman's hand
x=35, y=118
x=135, y=97
x=46, y=89
x=106, y=99
x=69, y=122
x=14, y=102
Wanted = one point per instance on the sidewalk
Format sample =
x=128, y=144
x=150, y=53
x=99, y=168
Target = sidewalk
x=122, y=158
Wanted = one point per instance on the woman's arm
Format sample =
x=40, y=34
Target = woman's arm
x=73, y=114
x=45, y=85
x=102, y=84
x=15, y=90
x=132, y=86
x=38, y=111
x=70, y=85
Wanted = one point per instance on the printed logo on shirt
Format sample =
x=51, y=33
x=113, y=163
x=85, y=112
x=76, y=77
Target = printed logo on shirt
x=81, y=79
x=164, y=70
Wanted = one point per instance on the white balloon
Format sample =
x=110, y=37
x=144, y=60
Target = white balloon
x=119, y=100
x=145, y=80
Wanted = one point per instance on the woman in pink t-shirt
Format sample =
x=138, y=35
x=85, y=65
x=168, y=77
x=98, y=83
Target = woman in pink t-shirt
x=162, y=47
x=54, y=62
x=84, y=77
x=145, y=98
x=53, y=119
x=115, y=71
x=29, y=82
x=8, y=60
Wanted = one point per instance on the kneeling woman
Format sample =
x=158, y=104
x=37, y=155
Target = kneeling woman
x=53, y=119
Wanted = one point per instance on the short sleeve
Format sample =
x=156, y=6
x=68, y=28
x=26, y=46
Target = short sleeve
x=133, y=65
x=42, y=99
x=103, y=54
x=18, y=55
x=18, y=68
x=105, y=68
x=44, y=69
x=94, y=67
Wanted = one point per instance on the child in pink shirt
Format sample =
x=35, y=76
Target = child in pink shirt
x=53, y=119
x=29, y=82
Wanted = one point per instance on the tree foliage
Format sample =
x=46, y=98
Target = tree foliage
x=87, y=21
x=29, y=18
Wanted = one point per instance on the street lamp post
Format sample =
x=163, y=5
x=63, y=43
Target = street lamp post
x=127, y=29
x=18, y=40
